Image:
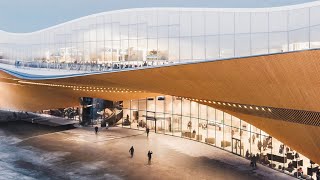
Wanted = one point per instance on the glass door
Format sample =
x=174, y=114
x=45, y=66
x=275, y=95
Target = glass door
x=151, y=121
x=236, y=146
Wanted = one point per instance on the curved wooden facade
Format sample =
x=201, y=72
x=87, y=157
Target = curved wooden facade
x=287, y=81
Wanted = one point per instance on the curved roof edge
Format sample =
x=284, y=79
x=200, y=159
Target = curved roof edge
x=268, y=9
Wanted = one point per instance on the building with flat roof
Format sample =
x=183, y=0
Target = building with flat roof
x=244, y=80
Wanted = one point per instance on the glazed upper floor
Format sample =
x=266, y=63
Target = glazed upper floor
x=171, y=34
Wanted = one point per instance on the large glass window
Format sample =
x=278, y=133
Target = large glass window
x=259, y=22
x=242, y=45
x=226, y=23
x=168, y=104
x=133, y=31
x=185, y=49
x=176, y=105
x=259, y=43
x=278, y=21
x=142, y=122
x=211, y=23
x=152, y=53
x=163, y=18
x=174, y=31
x=278, y=42
x=132, y=17
x=185, y=23
x=198, y=25
x=124, y=32
x=116, y=51
x=93, y=32
x=142, y=31
x=198, y=48
x=212, y=47
x=163, y=49
x=163, y=31
x=100, y=52
x=194, y=109
x=315, y=36
x=211, y=126
x=314, y=15
x=108, y=31
x=177, y=125
x=108, y=51
x=142, y=49
x=100, y=32
x=227, y=46
x=124, y=50
x=298, y=18
x=218, y=124
x=226, y=142
x=242, y=23
x=299, y=39
x=132, y=50
x=116, y=31
x=186, y=110
x=152, y=31
x=174, y=50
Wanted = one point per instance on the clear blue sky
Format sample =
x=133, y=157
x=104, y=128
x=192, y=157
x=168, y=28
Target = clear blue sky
x=31, y=15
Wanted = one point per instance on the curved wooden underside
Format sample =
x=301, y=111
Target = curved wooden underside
x=288, y=81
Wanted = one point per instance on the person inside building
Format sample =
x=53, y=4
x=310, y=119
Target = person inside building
x=253, y=138
x=298, y=173
x=265, y=160
x=189, y=125
x=318, y=174
x=247, y=154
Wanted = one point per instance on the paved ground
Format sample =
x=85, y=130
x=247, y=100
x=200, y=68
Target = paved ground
x=29, y=151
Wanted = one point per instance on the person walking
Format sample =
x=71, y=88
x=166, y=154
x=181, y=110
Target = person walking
x=131, y=151
x=147, y=130
x=254, y=161
x=149, y=156
x=96, y=129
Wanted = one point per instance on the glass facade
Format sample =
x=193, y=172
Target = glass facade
x=180, y=117
x=158, y=36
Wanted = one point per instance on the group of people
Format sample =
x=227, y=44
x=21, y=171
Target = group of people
x=254, y=158
x=131, y=151
x=267, y=143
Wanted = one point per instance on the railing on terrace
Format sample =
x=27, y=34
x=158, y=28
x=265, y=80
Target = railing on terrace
x=111, y=66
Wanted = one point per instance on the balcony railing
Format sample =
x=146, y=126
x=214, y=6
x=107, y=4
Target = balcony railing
x=87, y=67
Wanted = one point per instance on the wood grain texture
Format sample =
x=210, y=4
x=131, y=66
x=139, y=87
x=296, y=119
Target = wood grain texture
x=290, y=80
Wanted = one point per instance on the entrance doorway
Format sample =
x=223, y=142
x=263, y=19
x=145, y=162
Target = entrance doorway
x=151, y=125
x=151, y=121
x=236, y=146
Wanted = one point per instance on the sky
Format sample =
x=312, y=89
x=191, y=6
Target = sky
x=32, y=15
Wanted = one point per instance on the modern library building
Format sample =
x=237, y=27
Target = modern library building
x=245, y=80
